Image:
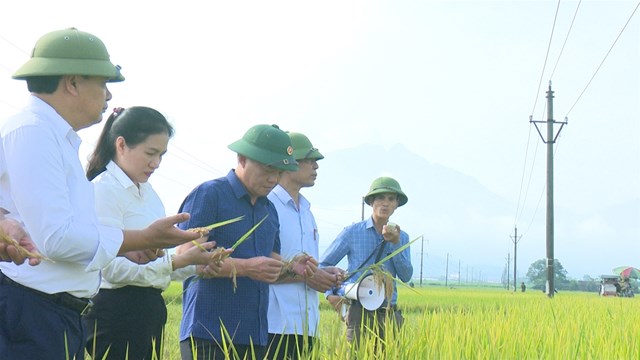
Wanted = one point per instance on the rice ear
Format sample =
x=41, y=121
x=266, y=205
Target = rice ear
x=5, y=238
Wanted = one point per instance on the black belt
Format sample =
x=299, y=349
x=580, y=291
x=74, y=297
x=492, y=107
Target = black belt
x=79, y=305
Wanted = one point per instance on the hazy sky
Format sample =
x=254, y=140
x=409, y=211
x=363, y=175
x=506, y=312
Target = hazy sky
x=453, y=81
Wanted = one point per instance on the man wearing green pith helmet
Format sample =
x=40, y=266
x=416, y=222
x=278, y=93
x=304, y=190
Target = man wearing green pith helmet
x=366, y=243
x=293, y=303
x=227, y=313
x=42, y=185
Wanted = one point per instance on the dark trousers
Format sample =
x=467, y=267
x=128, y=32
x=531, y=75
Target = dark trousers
x=199, y=349
x=33, y=327
x=289, y=346
x=362, y=322
x=126, y=323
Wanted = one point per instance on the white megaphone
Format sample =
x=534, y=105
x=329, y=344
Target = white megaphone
x=367, y=292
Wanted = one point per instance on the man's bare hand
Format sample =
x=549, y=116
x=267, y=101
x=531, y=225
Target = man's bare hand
x=326, y=278
x=164, y=234
x=391, y=233
x=10, y=253
x=336, y=302
x=261, y=268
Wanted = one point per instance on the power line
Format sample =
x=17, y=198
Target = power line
x=565, y=40
x=603, y=60
x=200, y=165
x=520, y=208
x=14, y=45
x=546, y=57
x=544, y=187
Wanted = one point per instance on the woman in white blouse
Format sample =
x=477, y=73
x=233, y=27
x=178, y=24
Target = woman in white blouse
x=129, y=312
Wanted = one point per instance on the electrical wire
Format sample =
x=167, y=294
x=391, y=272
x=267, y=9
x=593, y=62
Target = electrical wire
x=526, y=193
x=603, y=60
x=555, y=18
x=14, y=45
x=546, y=57
x=565, y=40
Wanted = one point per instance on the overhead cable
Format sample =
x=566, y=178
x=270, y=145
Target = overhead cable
x=603, y=60
x=565, y=39
x=555, y=18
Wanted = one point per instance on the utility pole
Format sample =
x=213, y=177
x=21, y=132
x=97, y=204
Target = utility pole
x=446, y=276
x=550, y=140
x=508, y=269
x=362, y=216
x=421, y=254
x=515, y=258
x=458, y=272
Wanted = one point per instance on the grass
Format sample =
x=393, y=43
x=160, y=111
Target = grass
x=480, y=323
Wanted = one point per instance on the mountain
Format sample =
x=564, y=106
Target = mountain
x=453, y=211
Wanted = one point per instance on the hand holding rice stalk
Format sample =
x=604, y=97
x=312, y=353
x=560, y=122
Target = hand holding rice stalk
x=205, y=229
x=24, y=252
x=220, y=253
x=380, y=276
x=303, y=265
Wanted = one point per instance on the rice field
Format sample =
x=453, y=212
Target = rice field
x=479, y=323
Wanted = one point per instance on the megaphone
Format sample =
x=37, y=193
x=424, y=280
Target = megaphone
x=367, y=292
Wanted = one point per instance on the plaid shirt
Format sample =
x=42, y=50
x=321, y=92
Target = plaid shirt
x=358, y=242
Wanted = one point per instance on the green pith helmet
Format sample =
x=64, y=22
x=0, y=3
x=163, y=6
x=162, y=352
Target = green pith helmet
x=69, y=52
x=383, y=185
x=302, y=147
x=268, y=145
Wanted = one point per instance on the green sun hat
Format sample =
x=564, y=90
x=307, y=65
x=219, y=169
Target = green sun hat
x=69, y=52
x=383, y=185
x=302, y=147
x=268, y=145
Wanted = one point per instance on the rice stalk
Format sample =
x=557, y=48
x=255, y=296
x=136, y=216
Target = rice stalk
x=294, y=266
x=219, y=254
x=205, y=229
x=5, y=238
x=381, y=277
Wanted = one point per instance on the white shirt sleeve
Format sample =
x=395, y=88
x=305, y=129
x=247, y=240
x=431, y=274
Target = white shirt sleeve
x=54, y=199
x=121, y=272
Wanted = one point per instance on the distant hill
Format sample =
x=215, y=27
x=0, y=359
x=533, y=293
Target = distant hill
x=460, y=217
x=453, y=211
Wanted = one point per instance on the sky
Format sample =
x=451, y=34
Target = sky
x=455, y=82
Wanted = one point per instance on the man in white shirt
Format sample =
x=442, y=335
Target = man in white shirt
x=293, y=304
x=44, y=186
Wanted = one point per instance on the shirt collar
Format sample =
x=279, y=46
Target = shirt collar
x=369, y=223
x=60, y=125
x=123, y=179
x=238, y=189
x=282, y=195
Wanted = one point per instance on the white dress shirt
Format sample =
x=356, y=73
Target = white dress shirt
x=120, y=203
x=44, y=185
x=294, y=306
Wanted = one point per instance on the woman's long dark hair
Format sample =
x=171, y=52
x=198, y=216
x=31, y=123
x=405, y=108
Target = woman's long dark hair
x=135, y=125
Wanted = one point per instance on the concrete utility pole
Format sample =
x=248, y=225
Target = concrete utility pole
x=515, y=259
x=550, y=140
x=508, y=269
x=446, y=276
x=421, y=255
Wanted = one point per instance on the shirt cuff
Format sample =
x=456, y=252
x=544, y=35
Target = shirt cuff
x=108, y=247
